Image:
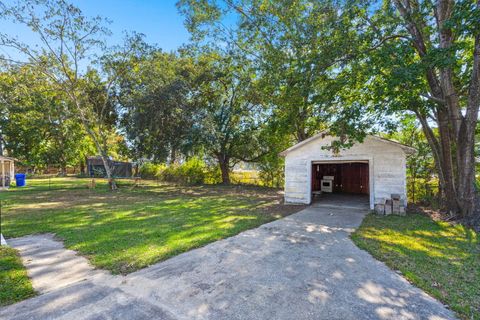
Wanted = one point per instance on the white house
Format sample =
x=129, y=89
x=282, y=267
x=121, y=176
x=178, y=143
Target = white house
x=375, y=167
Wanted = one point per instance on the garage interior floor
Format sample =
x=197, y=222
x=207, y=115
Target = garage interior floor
x=345, y=200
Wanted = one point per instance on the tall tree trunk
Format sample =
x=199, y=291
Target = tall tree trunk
x=106, y=161
x=448, y=185
x=466, y=180
x=63, y=170
x=224, y=163
x=82, y=167
x=454, y=151
x=108, y=171
x=173, y=155
x=466, y=142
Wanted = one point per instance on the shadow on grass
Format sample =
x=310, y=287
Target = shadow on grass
x=440, y=258
x=137, y=226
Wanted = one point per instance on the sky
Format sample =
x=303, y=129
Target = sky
x=159, y=20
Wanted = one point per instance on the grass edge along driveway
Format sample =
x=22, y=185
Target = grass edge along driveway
x=14, y=282
x=440, y=258
x=135, y=227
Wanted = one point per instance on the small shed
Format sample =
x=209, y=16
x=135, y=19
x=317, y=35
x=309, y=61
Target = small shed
x=7, y=171
x=375, y=167
x=120, y=169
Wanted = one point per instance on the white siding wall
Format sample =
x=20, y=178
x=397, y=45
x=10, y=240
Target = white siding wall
x=387, y=168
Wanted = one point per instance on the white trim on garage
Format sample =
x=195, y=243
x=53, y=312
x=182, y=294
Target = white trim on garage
x=322, y=135
x=386, y=159
x=346, y=159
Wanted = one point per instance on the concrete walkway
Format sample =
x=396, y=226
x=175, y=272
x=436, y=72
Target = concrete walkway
x=301, y=267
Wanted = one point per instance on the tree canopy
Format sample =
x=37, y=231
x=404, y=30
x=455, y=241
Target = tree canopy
x=255, y=77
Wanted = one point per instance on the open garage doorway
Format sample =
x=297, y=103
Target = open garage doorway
x=343, y=183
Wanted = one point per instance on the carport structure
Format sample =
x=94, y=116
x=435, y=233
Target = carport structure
x=7, y=171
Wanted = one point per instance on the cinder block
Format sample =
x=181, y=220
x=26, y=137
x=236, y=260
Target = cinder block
x=395, y=196
x=388, y=207
x=395, y=206
x=380, y=209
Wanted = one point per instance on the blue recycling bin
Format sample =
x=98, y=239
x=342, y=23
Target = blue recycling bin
x=20, y=179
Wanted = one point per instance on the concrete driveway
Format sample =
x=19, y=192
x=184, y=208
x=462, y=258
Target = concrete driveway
x=300, y=267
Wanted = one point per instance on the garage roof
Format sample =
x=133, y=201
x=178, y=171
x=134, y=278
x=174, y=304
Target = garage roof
x=321, y=135
x=7, y=158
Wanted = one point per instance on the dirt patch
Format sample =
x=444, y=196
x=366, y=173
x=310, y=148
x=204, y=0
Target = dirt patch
x=434, y=214
x=443, y=215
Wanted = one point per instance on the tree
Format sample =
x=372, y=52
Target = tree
x=270, y=164
x=230, y=113
x=66, y=40
x=426, y=60
x=35, y=127
x=297, y=49
x=158, y=116
x=420, y=165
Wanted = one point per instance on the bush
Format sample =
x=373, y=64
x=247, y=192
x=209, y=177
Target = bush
x=196, y=171
x=213, y=175
x=272, y=171
x=424, y=191
x=246, y=177
x=192, y=171
x=151, y=170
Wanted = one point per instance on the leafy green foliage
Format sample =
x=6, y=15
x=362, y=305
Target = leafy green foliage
x=150, y=170
x=36, y=126
x=194, y=171
x=231, y=114
x=153, y=97
x=422, y=179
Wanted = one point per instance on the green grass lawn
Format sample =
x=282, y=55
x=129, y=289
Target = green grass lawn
x=14, y=282
x=134, y=227
x=440, y=258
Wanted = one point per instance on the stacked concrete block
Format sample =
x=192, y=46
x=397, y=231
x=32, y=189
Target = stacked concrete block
x=380, y=207
x=393, y=205
x=388, y=207
x=398, y=206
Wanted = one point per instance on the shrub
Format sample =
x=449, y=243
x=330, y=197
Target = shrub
x=192, y=171
x=151, y=170
x=169, y=173
x=272, y=171
x=196, y=171
x=246, y=177
x=213, y=175
x=423, y=191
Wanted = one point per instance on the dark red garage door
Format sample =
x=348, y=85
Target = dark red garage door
x=350, y=177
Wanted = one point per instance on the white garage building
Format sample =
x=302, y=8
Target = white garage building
x=376, y=167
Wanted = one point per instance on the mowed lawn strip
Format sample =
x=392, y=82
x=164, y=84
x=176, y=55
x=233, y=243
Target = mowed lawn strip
x=14, y=282
x=440, y=258
x=136, y=226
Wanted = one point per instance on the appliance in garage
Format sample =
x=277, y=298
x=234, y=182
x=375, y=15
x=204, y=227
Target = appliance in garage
x=326, y=184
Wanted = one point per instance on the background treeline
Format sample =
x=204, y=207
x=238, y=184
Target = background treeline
x=256, y=77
